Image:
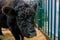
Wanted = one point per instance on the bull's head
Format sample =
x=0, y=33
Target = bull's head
x=25, y=18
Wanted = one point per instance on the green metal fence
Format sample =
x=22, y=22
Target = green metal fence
x=46, y=17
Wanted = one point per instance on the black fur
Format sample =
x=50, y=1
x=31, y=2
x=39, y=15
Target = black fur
x=19, y=20
x=10, y=23
x=25, y=20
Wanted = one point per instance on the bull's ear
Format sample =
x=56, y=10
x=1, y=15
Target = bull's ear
x=9, y=11
x=35, y=6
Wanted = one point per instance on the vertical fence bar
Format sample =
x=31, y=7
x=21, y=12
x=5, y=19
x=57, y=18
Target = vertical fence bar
x=49, y=17
x=57, y=16
x=43, y=15
x=48, y=14
x=59, y=23
x=40, y=14
x=54, y=19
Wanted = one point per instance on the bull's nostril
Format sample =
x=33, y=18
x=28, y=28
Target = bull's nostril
x=32, y=31
x=29, y=34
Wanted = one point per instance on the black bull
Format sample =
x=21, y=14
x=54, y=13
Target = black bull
x=18, y=17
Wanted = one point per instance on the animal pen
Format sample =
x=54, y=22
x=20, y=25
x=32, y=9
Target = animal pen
x=47, y=19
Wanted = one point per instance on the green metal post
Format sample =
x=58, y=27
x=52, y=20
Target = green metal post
x=54, y=19
x=44, y=16
x=49, y=18
x=40, y=13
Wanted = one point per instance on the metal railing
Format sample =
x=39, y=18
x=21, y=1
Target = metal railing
x=46, y=18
